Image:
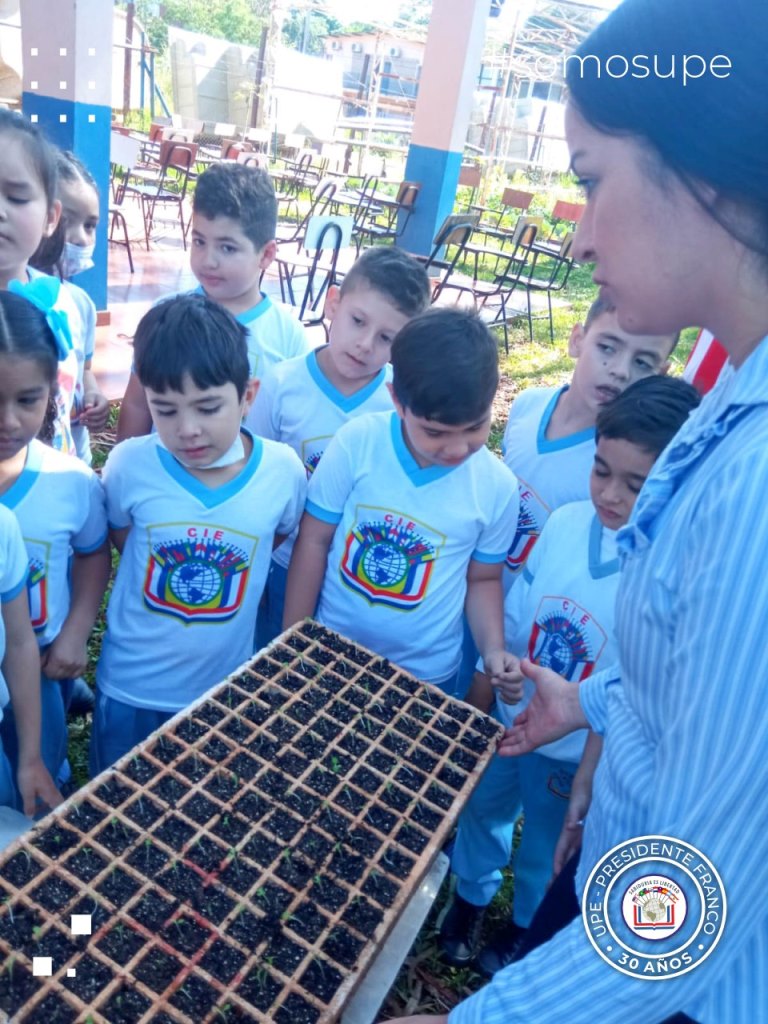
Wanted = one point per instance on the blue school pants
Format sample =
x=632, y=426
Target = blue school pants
x=540, y=787
x=269, y=620
x=117, y=728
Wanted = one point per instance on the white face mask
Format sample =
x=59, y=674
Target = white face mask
x=76, y=258
x=233, y=454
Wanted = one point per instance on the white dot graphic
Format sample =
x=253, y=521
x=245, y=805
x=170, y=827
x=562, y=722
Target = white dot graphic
x=62, y=118
x=91, y=119
x=42, y=966
x=81, y=924
x=71, y=972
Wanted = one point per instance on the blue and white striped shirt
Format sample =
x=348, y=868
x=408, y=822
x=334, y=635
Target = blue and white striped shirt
x=685, y=722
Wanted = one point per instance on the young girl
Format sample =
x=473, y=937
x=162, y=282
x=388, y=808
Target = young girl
x=29, y=213
x=79, y=197
x=59, y=505
x=19, y=661
x=68, y=252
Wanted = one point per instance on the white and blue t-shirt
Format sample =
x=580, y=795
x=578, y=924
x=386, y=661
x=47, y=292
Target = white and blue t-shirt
x=561, y=611
x=396, y=577
x=183, y=608
x=297, y=404
x=550, y=473
x=13, y=579
x=70, y=372
x=85, y=325
x=59, y=504
x=274, y=334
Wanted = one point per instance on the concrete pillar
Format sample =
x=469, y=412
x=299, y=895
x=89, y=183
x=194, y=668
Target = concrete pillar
x=452, y=59
x=67, y=77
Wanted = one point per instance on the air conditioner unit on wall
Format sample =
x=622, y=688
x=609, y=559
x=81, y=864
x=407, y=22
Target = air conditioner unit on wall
x=395, y=51
x=357, y=47
x=335, y=44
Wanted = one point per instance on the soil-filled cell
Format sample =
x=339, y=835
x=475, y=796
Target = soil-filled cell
x=222, y=961
x=125, y=1006
x=144, y=811
x=118, y=886
x=148, y=858
x=121, y=943
x=139, y=769
x=152, y=910
x=199, y=808
x=260, y=989
x=52, y=1010
x=55, y=841
x=20, y=869
x=342, y=946
x=321, y=979
x=54, y=894
x=84, y=816
x=195, y=997
x=296, y=1010
x=157, y=970
x=185, y=934
x=91, y=978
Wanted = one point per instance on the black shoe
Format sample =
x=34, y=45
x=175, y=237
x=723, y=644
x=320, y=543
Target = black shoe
x=82, y=701
x=460, y=931
x=500, y=952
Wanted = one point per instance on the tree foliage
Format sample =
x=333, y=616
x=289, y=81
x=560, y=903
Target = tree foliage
x=306, y=29
x=239, y=21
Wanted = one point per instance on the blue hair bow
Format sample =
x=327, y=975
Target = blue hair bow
x=43, y=293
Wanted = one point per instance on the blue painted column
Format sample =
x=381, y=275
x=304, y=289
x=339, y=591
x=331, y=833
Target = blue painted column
x=452, y=58
x=67, y=79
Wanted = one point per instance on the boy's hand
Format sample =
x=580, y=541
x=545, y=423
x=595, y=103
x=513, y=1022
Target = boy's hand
x=36, y=787
x=95, y=412
x=554, y=711
x=66, y=658
x=503, y=671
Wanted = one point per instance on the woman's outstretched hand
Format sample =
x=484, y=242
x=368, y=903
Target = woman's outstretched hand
x=554, y=711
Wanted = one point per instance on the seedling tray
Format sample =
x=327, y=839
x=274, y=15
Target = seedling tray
x=247, y=861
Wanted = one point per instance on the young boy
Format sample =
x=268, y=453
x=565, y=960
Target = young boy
x=234, y=218
x=304, y=401
x=560, y=614
x=409, y=513
x=194, y=510
x=549, y=443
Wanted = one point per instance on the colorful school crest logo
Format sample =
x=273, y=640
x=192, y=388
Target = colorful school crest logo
x=200, y=574
x=37, y=584
x=312, y=451
x=388, y=558
x=530, y=522
x=565, y=638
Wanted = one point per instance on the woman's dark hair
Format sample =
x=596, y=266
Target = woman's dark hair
x=445, y=366
x=25, y=334
x=191, y=335
x=649, y=413
x=709, y=130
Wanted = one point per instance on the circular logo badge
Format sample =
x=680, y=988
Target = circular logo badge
x=654, y=907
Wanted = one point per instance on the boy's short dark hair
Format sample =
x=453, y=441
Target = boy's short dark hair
x=649, y=413
x=445, y=366
x=601, y=306
x=242, y=192
x=391, y=271
x=190, y=335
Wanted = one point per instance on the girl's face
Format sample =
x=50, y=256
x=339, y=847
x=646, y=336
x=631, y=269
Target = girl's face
x=647, y=235
x=25, y=215
x=80, y=209
x=24, y=391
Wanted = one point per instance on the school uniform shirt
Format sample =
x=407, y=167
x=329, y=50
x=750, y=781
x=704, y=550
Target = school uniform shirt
x=273, y=333
x=59, y=504
x=183, y=608
x=85, y=325
x=396, y=574
x=297, y=404
x=560, y=613
x=70, y=371
x=13, y=579
x=550, y=473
